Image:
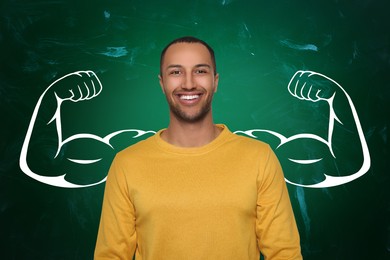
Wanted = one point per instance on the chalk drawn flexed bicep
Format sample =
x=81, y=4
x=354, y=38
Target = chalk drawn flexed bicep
x=74, y=87
x=311, y=86
x=314, y=87
x=81, y=153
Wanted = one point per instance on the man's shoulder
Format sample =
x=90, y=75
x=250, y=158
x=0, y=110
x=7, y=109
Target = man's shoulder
x=251, y=142
x=139, y=147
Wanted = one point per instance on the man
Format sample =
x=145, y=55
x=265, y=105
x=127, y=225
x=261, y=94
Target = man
x=195, y=190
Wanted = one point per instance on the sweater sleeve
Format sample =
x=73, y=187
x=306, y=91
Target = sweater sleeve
x=276, y=230
x=117, y=236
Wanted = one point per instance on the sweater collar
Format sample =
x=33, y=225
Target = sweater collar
x=167, y=147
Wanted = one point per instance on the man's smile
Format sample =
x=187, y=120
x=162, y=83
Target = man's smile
x=190, y=98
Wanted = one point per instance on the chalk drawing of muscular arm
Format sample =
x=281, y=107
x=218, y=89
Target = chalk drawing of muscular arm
x=79, y=86
x=309, y=86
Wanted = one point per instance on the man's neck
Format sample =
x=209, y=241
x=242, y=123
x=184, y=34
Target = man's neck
x=185, y=134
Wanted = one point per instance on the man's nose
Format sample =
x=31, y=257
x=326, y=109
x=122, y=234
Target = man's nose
x=188, y=82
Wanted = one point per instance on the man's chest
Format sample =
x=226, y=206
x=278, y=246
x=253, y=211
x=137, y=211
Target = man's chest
x=195, y=186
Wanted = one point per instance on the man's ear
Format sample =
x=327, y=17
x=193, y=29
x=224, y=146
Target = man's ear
x=160, y=80
x=216, y=80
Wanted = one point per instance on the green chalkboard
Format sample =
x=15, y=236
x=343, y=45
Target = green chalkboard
x=265, y=52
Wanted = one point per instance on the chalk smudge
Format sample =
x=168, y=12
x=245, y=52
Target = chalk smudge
x=300, y=194
x=107, y=14
x=115, y=52
x=298, y=46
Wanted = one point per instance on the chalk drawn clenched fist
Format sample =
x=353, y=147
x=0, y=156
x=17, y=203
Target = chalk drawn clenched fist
x=77, y=86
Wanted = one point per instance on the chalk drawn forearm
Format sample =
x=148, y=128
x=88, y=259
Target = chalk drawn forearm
x=74, y=87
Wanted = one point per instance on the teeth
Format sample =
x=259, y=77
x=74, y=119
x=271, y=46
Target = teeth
x=189, y=97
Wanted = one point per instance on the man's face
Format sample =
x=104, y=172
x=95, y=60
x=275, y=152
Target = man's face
x=188, y=81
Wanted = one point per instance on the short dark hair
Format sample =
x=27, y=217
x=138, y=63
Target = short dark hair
x=189, y=39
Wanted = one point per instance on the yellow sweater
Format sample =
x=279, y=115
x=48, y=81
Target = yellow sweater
x=225, y=200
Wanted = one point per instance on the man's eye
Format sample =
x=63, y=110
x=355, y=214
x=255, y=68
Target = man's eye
x=175, y=72
x=200, y=71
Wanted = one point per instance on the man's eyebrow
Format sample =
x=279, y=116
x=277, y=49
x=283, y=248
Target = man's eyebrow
x=203, y=65
x=196, y=66
x=174, y=66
